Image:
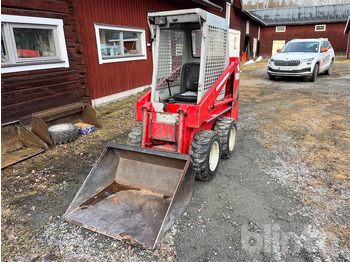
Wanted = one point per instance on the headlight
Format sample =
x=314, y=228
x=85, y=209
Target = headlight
x=271, y=60
x=308, y=60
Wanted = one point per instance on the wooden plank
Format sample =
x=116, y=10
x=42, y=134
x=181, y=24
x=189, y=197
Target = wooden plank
x=44, y=5
x=36, y=13
x=25, y=82
x=20, y=96
x=24, y=93
x=20, y=110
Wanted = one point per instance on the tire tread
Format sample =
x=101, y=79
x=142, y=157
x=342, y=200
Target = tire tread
x=199, y=153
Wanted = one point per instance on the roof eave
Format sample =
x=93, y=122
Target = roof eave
x=253, y=17
x=307, y=23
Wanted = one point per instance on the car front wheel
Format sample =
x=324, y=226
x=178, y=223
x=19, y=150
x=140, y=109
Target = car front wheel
x=314, y=74
x=330, y=69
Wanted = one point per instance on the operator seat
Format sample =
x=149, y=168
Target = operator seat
x=188, y=83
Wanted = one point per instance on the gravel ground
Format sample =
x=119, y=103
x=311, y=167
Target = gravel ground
x=256, y=209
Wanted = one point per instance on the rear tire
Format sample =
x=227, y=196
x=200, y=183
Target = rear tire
x=135, y=136
x=205, y=154
x=314, y=74
x=63, y=133
x=226, y=128
x=271, y=77
x=330, y=69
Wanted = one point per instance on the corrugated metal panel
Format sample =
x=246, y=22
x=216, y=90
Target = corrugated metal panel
x=303, y=14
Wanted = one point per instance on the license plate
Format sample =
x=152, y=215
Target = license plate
x=285, y=68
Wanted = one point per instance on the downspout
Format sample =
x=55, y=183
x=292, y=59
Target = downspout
x=348, y=46
x=228, y=13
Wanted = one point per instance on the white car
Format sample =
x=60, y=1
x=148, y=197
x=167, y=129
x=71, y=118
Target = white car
x=304, y=58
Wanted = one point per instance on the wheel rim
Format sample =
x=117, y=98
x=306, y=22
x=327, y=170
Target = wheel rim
x=232, y=139
x=214, y=156
x=59, y=128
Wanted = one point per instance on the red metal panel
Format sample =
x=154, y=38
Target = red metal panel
x=192, y=118
x=163, y=131
x=334, y=32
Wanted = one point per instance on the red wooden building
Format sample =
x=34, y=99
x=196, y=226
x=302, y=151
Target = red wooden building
x=284, y=24
x=40, y=61
x=58, y=52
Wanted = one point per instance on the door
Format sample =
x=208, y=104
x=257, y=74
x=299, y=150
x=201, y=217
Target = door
x=234, y=41
x=277, y=44
x=326, y=58
x=255, y=46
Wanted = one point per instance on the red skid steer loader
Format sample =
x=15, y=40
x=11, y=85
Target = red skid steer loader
x=187, y=122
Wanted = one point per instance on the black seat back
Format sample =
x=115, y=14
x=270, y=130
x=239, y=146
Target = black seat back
x=190, y=77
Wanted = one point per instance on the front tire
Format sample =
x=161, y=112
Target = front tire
x=226, y=128
x=314, y=74
x=330, y=69
x=205, y=154
x=135, y=136
x=271, y=77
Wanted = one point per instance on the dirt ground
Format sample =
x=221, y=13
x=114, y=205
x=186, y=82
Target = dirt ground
x=283, y=196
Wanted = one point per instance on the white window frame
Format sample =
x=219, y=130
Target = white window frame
x=320, y=30
x=19, y=65
x=142, y=56
x=280, y=28
x=247, y=27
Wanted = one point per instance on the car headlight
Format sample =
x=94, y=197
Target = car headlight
x=271, y=60
x=308, y=60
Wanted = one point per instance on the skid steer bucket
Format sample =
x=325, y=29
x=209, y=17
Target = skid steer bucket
x=72, y=113
x=18, y=143
x=133, y=194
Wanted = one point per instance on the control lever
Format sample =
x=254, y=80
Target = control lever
x=169, y=81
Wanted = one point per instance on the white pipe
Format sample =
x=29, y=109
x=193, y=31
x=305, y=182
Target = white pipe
x=228, y=13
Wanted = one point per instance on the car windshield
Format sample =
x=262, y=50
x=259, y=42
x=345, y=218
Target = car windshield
x=310, y=47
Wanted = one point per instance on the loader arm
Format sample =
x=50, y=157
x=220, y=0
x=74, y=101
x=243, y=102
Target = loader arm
x=209, y=107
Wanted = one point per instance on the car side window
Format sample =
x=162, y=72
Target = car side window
x=324, y=44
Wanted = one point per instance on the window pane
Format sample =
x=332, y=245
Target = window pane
x=280, y=28
x=110, y=43
x=33, y=43
x=196, y=42
x=132, y=43
x=4, y=54
x=320, y=28
x=118, y=44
